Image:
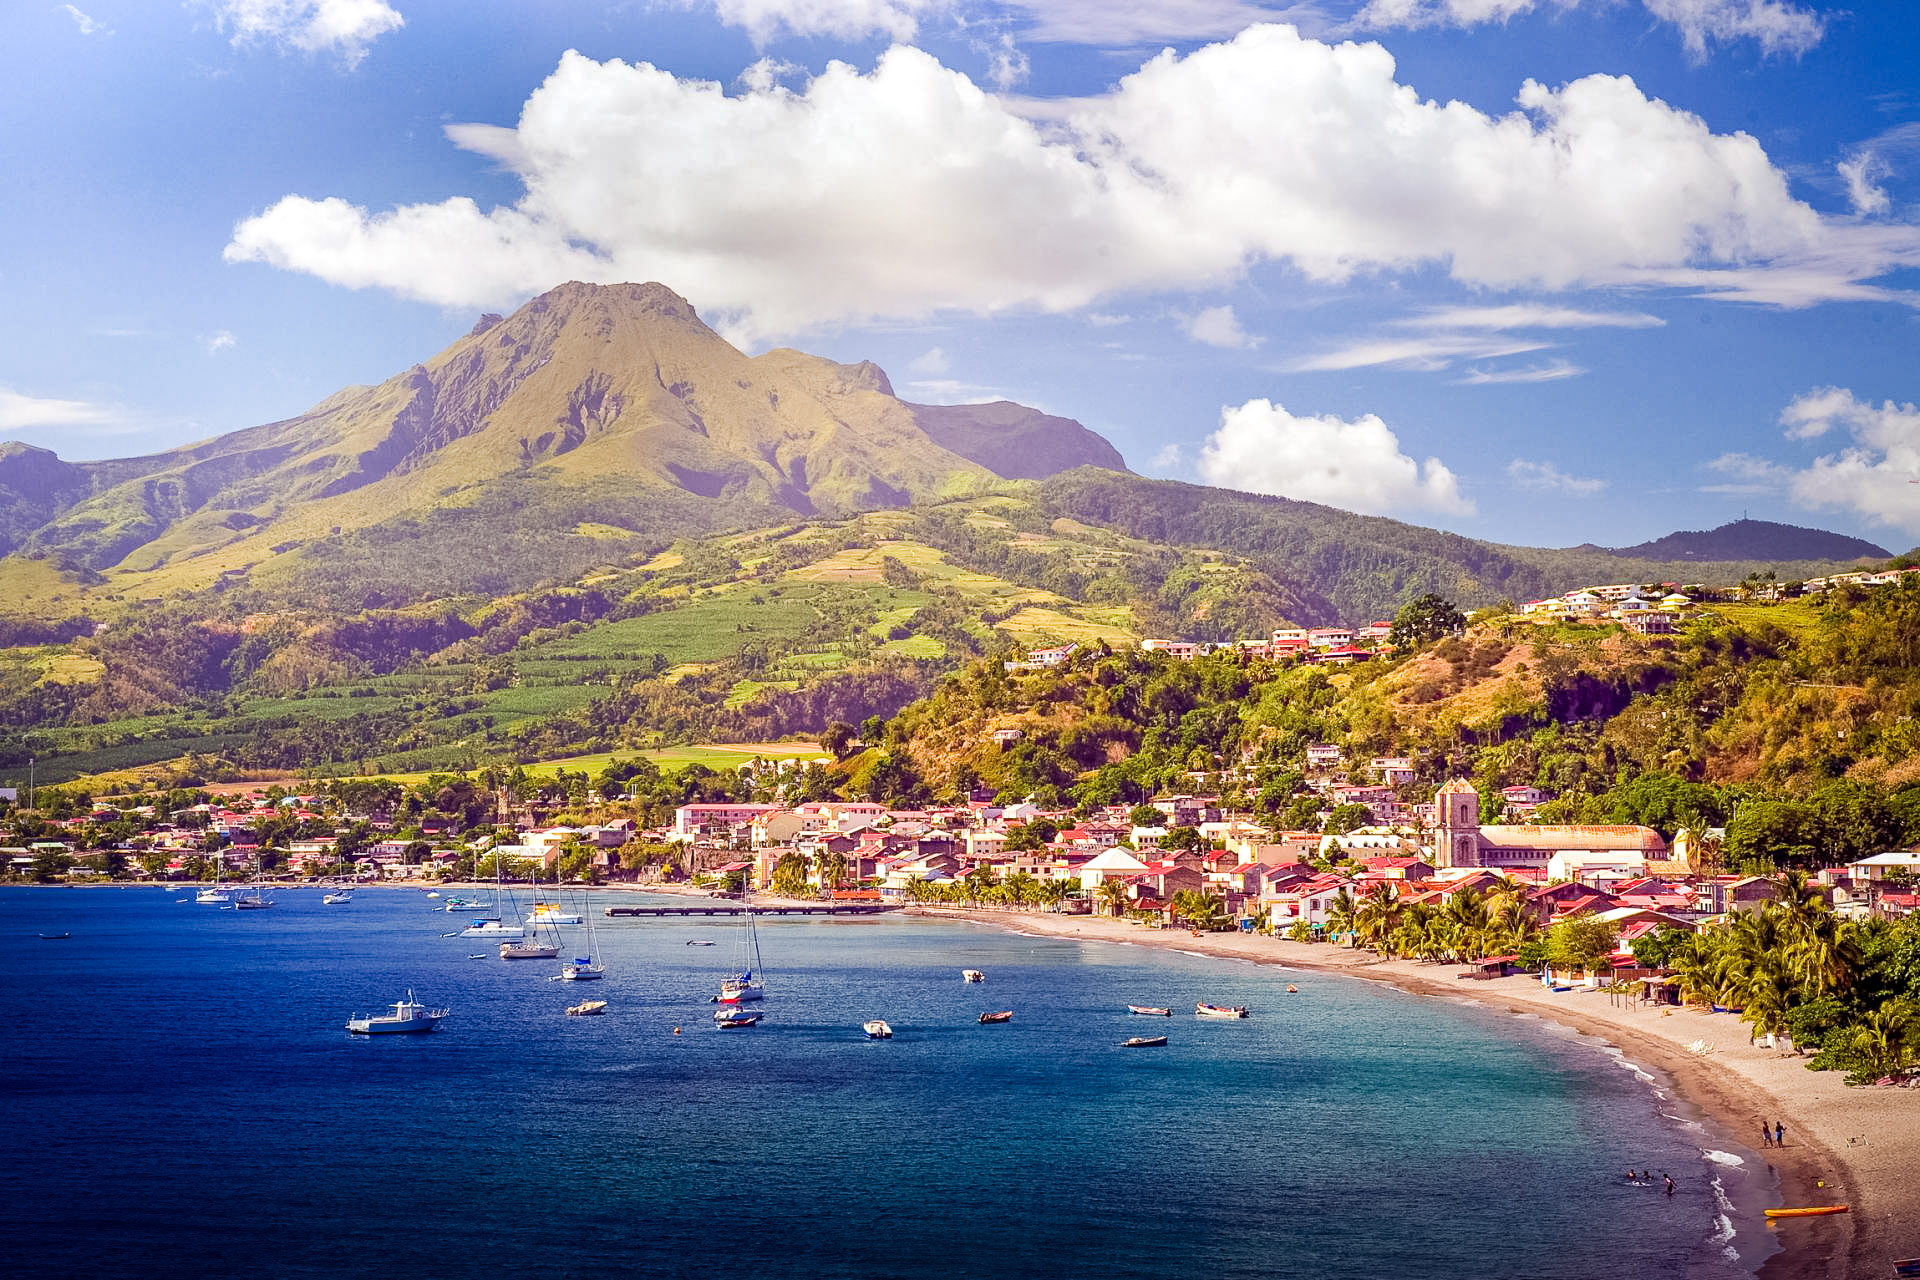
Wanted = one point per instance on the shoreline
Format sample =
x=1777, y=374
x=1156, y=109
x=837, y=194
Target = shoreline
x=1861, y=1143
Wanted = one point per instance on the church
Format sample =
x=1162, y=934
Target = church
x=1460, y=841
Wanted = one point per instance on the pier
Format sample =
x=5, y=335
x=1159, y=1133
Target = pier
x=823, y=909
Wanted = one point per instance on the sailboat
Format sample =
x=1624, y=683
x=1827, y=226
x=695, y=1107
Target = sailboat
x=213, y=892
x=492, y=927
x=534, y=947
x=746, y=983
x=588, y=967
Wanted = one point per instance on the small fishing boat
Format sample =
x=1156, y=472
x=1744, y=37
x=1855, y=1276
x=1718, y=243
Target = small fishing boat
x=337, y=899
x=1204, y=1010
x=1811, y=1211
x=1149, y=1011
x=1292, y=990
x=972, y=975
x=587, y=1009
x=1143, y=1042
x=530, y=949
x=877, y=1030
x=408, y=1015
x=548, y=913
x=726, y=1018
x=1005, y=1015
x=699, y=942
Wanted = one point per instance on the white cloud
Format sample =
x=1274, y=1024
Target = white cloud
x=1423, y=353
x=88, y=26
x=1357, y=465
x=1529, y=316
x=25, y=413
x=1865, y=195
x=1218, y=327
x=953, y=391
x=908, y=189
x=1877, y=476
x=1167, y=458
x=347, y=28
x=217, y=342
x=1546, y=476
x=1551, y=371
x=1778, y=26
x=933, y=360
x=764, y=20
x=1106, y=320
x=1114, y=23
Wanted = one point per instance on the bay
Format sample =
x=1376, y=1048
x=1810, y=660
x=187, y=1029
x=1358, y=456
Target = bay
x=178, y=1095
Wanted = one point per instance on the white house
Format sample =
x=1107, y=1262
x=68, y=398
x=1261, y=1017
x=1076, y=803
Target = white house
x=1114, y=863
x=1879, y=865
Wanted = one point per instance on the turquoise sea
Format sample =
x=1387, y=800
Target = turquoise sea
x=178, y=1097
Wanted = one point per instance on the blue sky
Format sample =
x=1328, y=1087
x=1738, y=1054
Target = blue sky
x=1542, y=271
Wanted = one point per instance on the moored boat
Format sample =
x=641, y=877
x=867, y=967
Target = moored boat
x=877, y=1029
x=1149, y=1011
x=337, y=899
x=252, y=900
x=408, y=1015
x=530, y=949
x=1143, y=1042
x=583, y=969
x=725, y=1018
x=587, y=1009
x=549, y=913
x=213, y=893
x=1204, y=1010
x=1810, y=1211
x=972, y=975
x=493, y=929
x=1005, y=1015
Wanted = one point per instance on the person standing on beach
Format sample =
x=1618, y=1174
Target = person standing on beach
x=1766, y=1135
x=1779, y=1134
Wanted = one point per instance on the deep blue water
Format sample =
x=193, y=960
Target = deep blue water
x=178, y=1096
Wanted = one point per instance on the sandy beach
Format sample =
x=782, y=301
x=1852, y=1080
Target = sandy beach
x=1862, y=1143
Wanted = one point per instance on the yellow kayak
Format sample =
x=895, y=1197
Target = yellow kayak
x=1812, y=1212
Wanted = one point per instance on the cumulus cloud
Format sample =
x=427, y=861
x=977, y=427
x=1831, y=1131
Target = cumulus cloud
x=1218, y=327
x=909, y=189
x=88, y=26
x=20, y=412
x=1545, y=476
x=1777, y=26
x=1356, y=465
x=347, y=28
x=1877, y=476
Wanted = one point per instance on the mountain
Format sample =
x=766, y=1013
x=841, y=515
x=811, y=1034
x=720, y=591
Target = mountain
x=593, y=414
x=1754, y=540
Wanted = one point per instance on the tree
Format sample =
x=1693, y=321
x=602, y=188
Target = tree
x=1145, y=815
x=838, y=738
x=1348, y=817
x=1425, y=620
x=1583, y=942
x=1113, y=896
x=1178, y=838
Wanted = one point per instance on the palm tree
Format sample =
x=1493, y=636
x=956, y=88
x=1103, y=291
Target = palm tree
x=1113, y=895
x=1887, y=1041
x=1377, y=916
x=1340, y=916
x=1467, y=913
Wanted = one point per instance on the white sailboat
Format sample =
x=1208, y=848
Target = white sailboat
x=745, y=983
x=213, y=892
x=586, y=968
x=494, y=928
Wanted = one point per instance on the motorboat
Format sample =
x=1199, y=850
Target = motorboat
x=530, y=949
x=1149, y=1011
x=1144, y=1042
x=54, y=937
x=549, y=913
x=462, y=904
x=341, y=898
x=493, y=930
x=1204, y=1010
x=1005, y=1015
x=972, y=975
x=877, y=1030
x=408, y=1015
x=587, y=1009
x=725, y=1018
